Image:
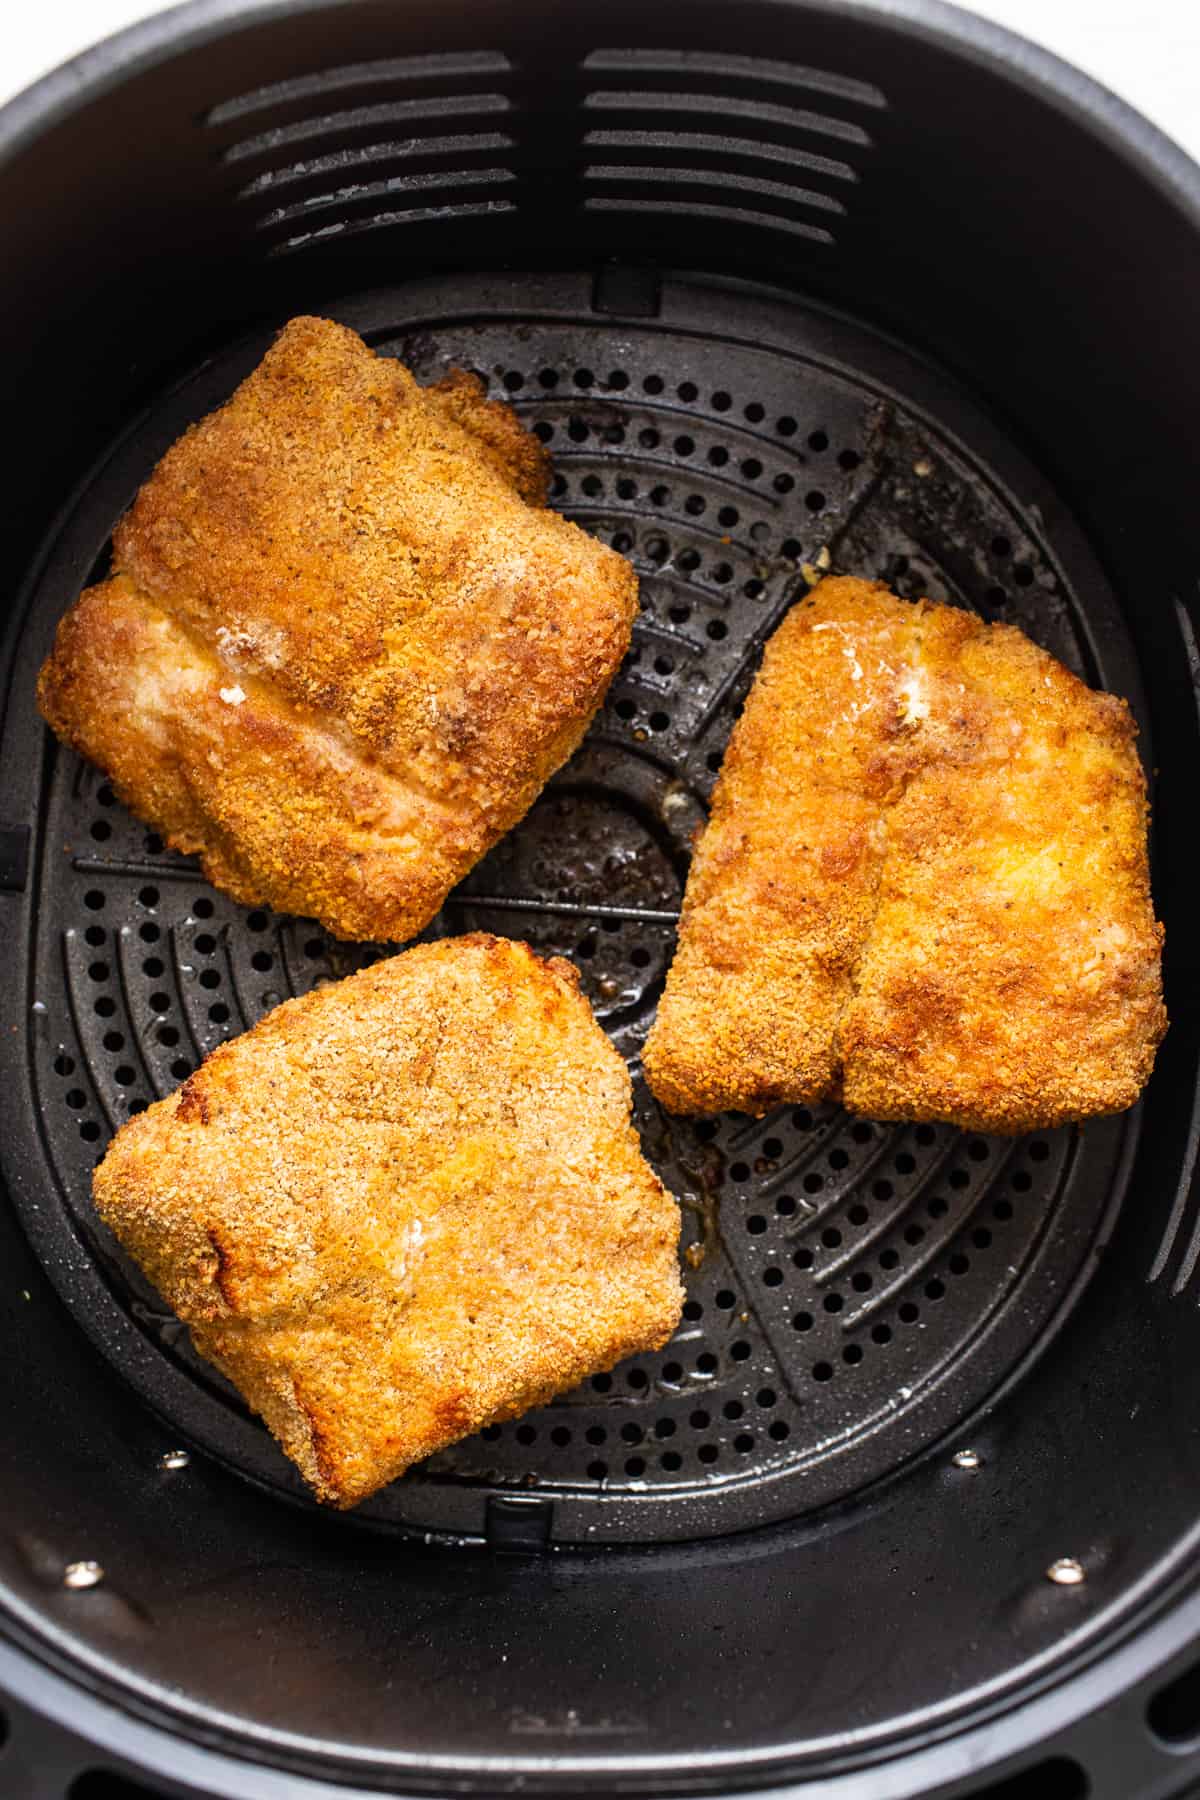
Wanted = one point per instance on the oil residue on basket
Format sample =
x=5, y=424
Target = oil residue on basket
x=693, y=1170
x=701, y=1198
x=586, y=878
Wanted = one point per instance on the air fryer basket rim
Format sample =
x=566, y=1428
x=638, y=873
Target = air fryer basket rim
x=1077, y=1719
x=1066, y=1711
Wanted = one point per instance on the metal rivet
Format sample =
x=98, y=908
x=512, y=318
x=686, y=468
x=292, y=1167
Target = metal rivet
x=174, y=1459
x=967, y=1459
x=1066, y=1571
x=82, y=1575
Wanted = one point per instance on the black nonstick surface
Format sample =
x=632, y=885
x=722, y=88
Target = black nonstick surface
x=895, y=161
x=855, y=1291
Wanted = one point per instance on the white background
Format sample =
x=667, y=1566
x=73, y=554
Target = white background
x=1148, y=51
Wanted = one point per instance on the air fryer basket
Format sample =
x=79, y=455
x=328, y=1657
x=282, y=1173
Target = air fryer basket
x=784, y=285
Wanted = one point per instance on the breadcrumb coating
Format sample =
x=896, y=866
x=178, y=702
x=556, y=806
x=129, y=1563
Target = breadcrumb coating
x=404, y=1206
x=923, y=886
x=344, y=644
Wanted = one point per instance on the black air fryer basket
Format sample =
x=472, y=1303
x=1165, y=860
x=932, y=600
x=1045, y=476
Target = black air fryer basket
x=909, y=1504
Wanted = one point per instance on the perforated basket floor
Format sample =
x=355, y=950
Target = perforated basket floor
x=855, y=1291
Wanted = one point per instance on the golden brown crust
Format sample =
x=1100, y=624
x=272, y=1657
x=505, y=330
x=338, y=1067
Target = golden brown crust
x=519, y=456
x=923, y=884
x=408, y=1204
x=345, y=646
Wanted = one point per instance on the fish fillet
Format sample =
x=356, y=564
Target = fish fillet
x=345, y=643
x=923, y=887
x=404, y=1206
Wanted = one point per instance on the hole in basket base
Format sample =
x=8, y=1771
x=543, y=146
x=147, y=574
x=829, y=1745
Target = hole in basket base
x=106, y=1784
x=1174, y=1712
x=1055, y=1779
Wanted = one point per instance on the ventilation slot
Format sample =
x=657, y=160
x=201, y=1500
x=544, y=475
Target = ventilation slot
x=360, y=81
x=751, y=112
x=358, y=209
x=369, y=146
x=415, y=215
x=698, y=149
x=320, y=180
x=730, y=71
x=341, y=134
x=668, y=162
x=757, y=192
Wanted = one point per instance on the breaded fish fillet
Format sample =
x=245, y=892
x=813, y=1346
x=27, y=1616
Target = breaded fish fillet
x=408, y=1204
x=923, y=885
x=345, y=644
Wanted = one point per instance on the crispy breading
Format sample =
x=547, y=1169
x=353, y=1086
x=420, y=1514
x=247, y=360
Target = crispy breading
x=344, y=644
x=923, y=886
x=403, y=1206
